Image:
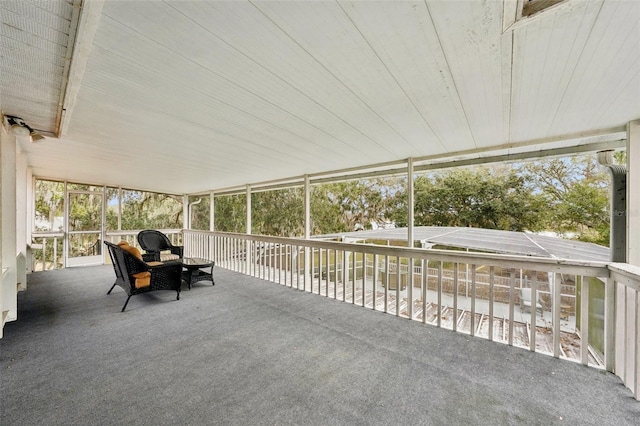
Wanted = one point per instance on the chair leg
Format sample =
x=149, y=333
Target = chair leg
x=114, y=284
x=125, y=304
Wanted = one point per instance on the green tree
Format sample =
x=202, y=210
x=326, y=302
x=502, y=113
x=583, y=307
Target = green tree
x=278, y=212
x=576, y=191
x=143, y=210
x=352, y=205
x=49, y=205
x=230, y=213
x=472, y=198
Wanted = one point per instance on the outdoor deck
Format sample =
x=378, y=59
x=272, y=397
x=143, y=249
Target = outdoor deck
x=247, y=351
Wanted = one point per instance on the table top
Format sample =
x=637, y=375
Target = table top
x=196, y=262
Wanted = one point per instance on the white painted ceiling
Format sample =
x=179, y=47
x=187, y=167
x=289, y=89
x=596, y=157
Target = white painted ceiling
x=188, y=96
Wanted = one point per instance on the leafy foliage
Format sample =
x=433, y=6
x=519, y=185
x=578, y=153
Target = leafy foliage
x=49, y=205
x=230, y=213
x=279, y=212
x=148, y=210
x=473, y=198
x=576, y=194
x=352, y=205
x=568, y=196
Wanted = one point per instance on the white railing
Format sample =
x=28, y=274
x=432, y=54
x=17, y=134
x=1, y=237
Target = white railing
x=46, y=251
x=47, y=248
x=589, y=313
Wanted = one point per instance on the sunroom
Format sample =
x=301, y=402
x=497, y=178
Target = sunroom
x=201, y=100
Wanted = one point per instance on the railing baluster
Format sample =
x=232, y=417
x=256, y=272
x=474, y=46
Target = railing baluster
x=353, y=279
x=363, y=256
x=491, y=298
x=320, y=266
x=424, y=278
x=584, y=319
x=398, y=285
x=410, y=276
x=556, y=314
x=386, y=287
x=534, y=297
x=335, y=273
x=376, y=274
x=44, y=254
x=344, y=273
x=473, y=299
x=298, y=268
x=455, y=296
x=327, y=277
x=55, y=252
x=279, y=254
x=439, y=308
x=312, y=268
x=512, y=302
x=290, y=251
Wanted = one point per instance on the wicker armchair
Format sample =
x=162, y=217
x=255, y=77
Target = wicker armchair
x=136, y=276
x=154, y=243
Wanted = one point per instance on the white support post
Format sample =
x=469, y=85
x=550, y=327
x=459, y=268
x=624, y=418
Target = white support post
x=8, y=237
x=31, y=205
x=21, y=219
x=410, y=217
x=584, y=318
x=185, y=212
x=307, y=207
x=212, y=212
x=633, y=195
x=609, y=325
x=307, y=230
x=555, y=315
x=410, y=202
x=119, y=208
x=248, y=244
x=248, y=222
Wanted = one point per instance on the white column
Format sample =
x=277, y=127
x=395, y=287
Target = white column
x=119, y=208
x=307, y=230
x=8, y=283
x=249, y=209
x=31, y=190
x=248, y=244
x=307, y=207
x=212, y=212
x=410, y=202
x=410, y=217
x=21, y=219
x=633, y=192
x=185, y=212
x=630, y=307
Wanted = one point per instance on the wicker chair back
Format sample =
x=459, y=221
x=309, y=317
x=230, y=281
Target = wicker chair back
x=154, y=242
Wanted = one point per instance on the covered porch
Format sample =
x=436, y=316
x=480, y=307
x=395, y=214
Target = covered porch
x=199, y=99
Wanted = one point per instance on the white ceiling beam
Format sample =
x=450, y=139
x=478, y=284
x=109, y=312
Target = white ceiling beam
x=83, y=26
